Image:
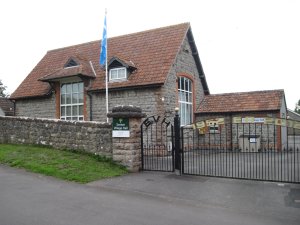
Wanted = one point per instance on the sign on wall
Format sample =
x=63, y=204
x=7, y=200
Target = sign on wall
x=120, y=127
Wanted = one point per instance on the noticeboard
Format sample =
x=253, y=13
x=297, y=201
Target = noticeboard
x=120, y=127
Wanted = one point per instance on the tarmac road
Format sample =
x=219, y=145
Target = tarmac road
x=146, y=198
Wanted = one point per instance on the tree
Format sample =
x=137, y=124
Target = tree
x=297, y=108
x=2, y=90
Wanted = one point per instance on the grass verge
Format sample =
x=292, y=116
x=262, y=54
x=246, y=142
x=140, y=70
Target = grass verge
x=66, y=165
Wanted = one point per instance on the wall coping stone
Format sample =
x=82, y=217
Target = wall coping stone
x=128, y=111
x=82, y=123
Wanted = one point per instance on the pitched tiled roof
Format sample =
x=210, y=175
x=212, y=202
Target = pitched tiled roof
x=7, y=106
x=153, y=53
x=242, y=101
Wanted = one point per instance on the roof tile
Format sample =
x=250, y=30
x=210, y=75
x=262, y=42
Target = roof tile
x=152, y=52
x=242, y=101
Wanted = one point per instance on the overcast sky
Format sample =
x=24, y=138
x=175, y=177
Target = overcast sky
x=243, y=45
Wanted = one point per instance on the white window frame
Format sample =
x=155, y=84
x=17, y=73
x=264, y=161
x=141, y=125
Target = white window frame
x=118, y=70
x=72, y=105
x=185, y=100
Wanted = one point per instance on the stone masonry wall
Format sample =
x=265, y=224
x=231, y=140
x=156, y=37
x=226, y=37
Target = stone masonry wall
x=91, y=137
x=38, y=108
x=183, y=64
x=148, y=99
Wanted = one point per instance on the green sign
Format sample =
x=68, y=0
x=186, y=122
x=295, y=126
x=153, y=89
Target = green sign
x=120, y=124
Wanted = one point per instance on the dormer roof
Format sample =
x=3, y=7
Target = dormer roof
x=117, y=62
x=75, y=66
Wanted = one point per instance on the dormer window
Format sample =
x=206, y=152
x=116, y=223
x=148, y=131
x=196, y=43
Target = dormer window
x=71, y=63
x=118, y=74
x=120, y=69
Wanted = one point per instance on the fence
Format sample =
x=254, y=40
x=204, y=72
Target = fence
x=241, y=150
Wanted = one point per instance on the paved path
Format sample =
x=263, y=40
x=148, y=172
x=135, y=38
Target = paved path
x=144, y=199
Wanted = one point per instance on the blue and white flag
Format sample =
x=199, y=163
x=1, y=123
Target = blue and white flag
x=103, y=45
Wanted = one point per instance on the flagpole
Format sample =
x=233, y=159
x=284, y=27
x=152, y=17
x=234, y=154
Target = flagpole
x=106, y=78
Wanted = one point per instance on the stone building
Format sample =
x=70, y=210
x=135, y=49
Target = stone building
x=157, y=70
x=6, y=107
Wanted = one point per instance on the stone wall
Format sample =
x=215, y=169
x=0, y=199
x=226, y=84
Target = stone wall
x=148, y=99
x=36, y=107
x=91, y=137
x=184, y=65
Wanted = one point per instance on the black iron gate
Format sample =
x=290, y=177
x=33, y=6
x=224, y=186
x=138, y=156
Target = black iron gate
x=254, y=150
x=157, y=143
x=259, y=149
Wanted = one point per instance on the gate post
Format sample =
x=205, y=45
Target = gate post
x=177, y=142
x=126, y=136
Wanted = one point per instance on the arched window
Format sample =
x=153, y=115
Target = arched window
x=185, y=96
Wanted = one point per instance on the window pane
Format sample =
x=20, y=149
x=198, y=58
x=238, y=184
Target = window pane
x=63, y=111
x=122, y=73
x=190, y=98
x=63, y=99
x=186, y=86
x=74, y=98
x=188, y=114
x=75, y=87
x=80, y=98
x=80, y=118
x=114, y=74
x=75, y=110
x=69, y=88
x=74, y=118
x=68, y=112
x=68, y=118
x=63, y=89
x=183, y=114
x=186, y=97
x=180, y=96
x=181, y=83
x=80, y=87
x=68, y=98
x=80, y=112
